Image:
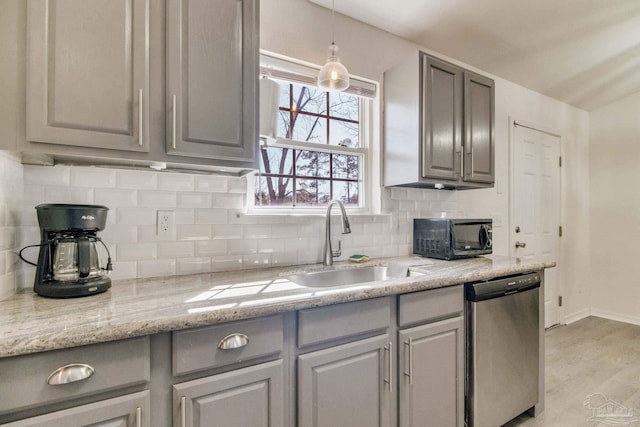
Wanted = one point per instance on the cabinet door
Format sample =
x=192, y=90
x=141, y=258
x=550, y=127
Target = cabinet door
x=88, y=73
x=132, y=410
x=346, y=386
x=479, y=104
x=212, y=72
x=432, y=375
x=442, y=109
x=245, y=397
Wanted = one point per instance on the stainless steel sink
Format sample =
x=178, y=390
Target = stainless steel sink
x=350, y=276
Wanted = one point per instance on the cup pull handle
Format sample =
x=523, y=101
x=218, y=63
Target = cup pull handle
x=70, y=374
x=233, y=341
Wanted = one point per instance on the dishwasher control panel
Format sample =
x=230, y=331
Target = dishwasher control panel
x=501, y=286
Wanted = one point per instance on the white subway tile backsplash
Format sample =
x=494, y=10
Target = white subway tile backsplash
x=92, y=177
x=227, y=263
x=115, y=198
x=212, y=231
x=256, y=261
x=156, y=268
x=257, y=231
x=74, y=195
x=211, y=247
x=7, y=238
x=7, y=285
x=135, y=216
x=3, y=263
x=211, y=216
x=229, y=201
x=227, y=232
x=214, y=184
x=176, y=249
x=47, y=175
x=176, y=181
x=137, y=180
x=124, y=270
x=193, y=265
x=194, y=232
x=157, y=199
x=242, y=246
x=118, y=233
x=194, y=200
x=136, y=251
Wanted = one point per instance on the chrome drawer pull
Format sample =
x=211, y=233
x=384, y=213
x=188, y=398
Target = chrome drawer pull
x=233, y=341
x=183, y=411
x=70, y=374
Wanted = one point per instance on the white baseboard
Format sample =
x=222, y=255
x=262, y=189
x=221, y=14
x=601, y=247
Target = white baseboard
x=634, y=320
x=578, y=315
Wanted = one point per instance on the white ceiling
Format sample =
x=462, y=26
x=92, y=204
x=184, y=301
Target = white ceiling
x=583, y=52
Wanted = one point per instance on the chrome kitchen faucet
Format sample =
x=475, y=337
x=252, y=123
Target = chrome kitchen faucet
x=346, y=229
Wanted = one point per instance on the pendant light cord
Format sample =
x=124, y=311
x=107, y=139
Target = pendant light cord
x=333, y=22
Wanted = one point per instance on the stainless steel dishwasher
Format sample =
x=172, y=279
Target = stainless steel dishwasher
x=502, y=348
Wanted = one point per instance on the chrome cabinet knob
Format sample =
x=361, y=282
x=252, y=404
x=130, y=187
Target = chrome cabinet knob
x=521, y=245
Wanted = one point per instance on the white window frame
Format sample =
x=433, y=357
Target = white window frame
x=288, y=70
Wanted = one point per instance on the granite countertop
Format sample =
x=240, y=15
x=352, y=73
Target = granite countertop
x=30, y=323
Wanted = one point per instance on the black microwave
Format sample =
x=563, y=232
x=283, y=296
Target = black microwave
x=446, y=238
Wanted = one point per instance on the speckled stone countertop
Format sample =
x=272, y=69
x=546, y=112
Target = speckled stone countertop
x=30, y=323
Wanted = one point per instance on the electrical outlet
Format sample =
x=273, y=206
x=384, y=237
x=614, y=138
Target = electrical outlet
x=166, y=224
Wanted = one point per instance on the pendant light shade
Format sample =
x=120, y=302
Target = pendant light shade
x=333, y=75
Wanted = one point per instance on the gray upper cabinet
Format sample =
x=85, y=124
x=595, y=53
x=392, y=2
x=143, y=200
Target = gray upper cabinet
x=442, y=119
x=88, y=73
x=346, y=385
x=212, y=70
x=479, y=105
x=252, y=396
x=443, y=115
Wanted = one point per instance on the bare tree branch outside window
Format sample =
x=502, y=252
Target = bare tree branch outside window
x=297, y=177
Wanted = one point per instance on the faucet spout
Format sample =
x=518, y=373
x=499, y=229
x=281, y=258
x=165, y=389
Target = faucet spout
x=346, y=229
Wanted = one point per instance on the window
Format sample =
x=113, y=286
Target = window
x=321, y=146
x=320, y=156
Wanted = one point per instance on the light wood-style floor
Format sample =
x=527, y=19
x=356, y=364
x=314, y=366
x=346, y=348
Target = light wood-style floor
x=590, y=361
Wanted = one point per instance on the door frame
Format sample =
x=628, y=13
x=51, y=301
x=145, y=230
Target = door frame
x=553, y=132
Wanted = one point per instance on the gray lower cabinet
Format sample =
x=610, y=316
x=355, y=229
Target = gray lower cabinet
x=88, y=73
x=132, y=410
x=347, y=385
x=211, y=78
x=252, y=396
x=431, y=370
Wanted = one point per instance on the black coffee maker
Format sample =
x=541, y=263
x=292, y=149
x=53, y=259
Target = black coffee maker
x=69, y=263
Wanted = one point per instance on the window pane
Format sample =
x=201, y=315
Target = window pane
x=310, y=128
x=309, y=99
x=284, y=95
x=312, y=192
x=345, y=134
x=312, y=163
x=275, y=160
x=347, y=192
x=274, y=191
x=344, y=106
x=284, y=120
x=346, y=167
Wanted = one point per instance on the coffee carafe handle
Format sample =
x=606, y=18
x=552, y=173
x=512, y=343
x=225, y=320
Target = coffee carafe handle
x=84, y=256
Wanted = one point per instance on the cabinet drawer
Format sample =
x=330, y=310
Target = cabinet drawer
x=23, y=379
x=425, y=306
x=323, y=324
x=199, y=349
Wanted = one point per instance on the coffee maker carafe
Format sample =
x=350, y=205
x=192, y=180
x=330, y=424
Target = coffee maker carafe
x=69, y=262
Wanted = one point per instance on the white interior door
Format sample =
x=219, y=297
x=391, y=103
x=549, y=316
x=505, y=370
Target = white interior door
x=535, y=207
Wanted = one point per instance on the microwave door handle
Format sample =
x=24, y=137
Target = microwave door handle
x=484, y=236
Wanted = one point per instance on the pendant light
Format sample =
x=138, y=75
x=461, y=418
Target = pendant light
x=333, y=76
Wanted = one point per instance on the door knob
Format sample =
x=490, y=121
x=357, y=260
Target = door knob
x=521, y=245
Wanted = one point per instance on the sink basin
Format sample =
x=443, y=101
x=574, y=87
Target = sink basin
x=350, y=276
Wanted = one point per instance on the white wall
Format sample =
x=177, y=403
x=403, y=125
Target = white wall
x=615, y=209
x=300, y=29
